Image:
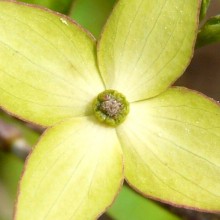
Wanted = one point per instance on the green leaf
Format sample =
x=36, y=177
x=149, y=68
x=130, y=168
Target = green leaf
x=209, y=33
x=171, y=147
x=72, y=173
x=48, y=66
x=204, y=7
x=130, y=205
x=147, y=44
x=92, y=14
x=62, y=6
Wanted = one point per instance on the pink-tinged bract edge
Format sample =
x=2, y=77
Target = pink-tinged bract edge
x=192, y=49
x=73, y=22
x=26, y=164
x=186, y=90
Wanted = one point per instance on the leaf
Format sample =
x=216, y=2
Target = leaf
x=147, y=44
x=171, y=147
x=92, y=14
x=71, y=174
x=209, y=33
x=130, y=205
x=204, y=7
x=62, y=6
x=48, y=67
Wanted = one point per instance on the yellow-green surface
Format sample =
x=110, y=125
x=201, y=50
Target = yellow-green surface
x=11, y=168
x=53, y=62
x=171, y=148
x=75, y=170
x=69, y=170
x=147, y=45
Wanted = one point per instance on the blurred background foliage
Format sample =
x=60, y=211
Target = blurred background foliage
x=92, y=14
x=203, y=75
x=62, y=6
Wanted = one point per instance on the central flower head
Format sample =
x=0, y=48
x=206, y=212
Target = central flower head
x=111, y=107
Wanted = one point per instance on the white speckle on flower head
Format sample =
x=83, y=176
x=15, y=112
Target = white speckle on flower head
x=63, y=21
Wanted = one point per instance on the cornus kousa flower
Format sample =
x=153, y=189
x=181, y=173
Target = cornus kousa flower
x=111, y=112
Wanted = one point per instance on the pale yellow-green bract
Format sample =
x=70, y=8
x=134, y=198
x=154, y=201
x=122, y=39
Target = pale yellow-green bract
x=168, y=148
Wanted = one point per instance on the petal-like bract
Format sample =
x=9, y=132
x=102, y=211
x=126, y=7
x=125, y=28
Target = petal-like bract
x=48, y=67
x=72, y=173
x=146, y=45
x=172, y=149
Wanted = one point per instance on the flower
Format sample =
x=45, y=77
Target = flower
x=109, y=118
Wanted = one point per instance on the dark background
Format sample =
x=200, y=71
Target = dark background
x=203, y=74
